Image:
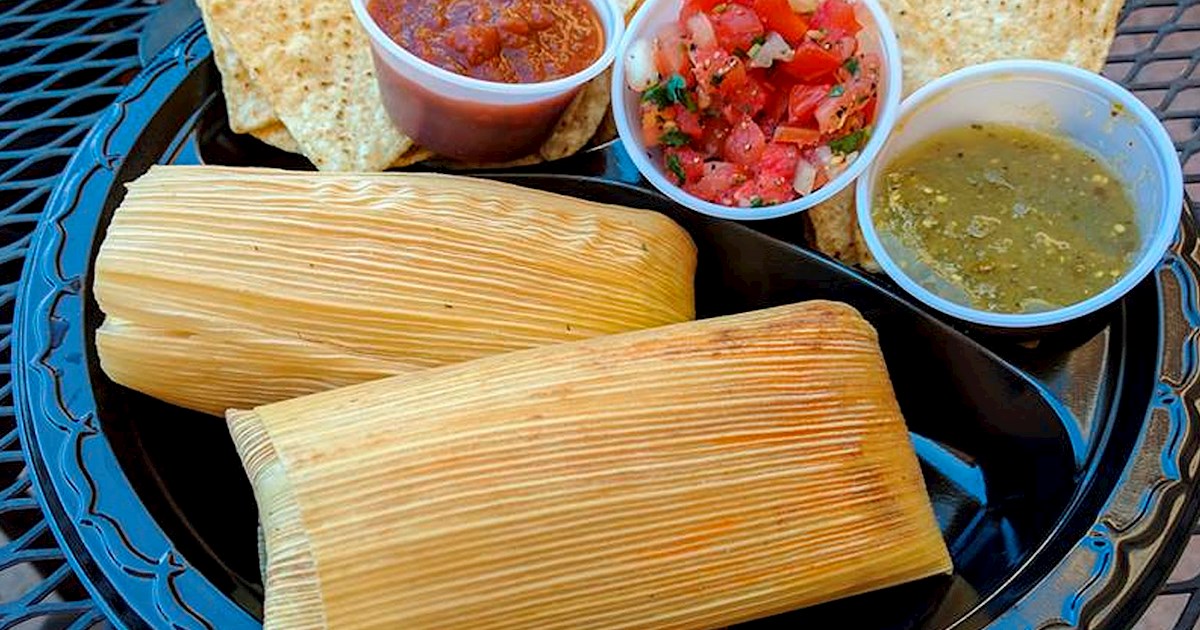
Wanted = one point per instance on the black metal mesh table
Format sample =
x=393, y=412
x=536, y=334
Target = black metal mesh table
x=62, y=62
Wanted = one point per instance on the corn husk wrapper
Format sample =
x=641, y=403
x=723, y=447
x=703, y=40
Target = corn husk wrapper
x=227, y=287
x=940, y=36
x=691, y=476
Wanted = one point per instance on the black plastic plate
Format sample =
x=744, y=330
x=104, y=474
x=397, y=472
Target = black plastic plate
x=1062, y=475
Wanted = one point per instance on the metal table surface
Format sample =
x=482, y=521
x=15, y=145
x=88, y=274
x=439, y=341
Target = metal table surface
x=63, y=61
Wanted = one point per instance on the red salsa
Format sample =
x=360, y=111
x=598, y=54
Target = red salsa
x=753, y=102
x=507, y=41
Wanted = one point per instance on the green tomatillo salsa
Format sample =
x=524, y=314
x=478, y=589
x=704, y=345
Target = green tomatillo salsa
x=1006, y=219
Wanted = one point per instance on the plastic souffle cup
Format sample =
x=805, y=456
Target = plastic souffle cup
x=472, y=119
x=1062, y=100
x=877, y=36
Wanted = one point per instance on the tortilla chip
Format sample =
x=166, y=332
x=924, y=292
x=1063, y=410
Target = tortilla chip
x=277, y=135
x=248, y=109
x=940, y=36
x=580, y=120
x=833, y=226
x=412, y=156
x=311, y=60
x=607, y=131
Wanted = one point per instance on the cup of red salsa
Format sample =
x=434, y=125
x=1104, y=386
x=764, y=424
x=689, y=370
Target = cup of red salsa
x=486, y=80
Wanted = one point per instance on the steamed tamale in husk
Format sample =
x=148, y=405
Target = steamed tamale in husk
x=690, y=476
x=228, y=287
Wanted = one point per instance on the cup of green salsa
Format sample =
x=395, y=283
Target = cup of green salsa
x=1021, y=194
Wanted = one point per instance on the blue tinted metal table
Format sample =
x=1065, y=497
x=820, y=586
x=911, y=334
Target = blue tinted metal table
x=62, y=62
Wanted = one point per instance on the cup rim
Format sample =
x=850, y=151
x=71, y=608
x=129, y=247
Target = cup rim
x=611, y=17
x=1167, y=165
x=890, y=106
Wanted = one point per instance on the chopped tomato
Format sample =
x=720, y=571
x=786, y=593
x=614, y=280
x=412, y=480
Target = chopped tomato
x=774, y=111
x=712, y=140
x=803, y=101
x=799, y=136
x=717, y=182
x=692, y=7
x=670, y=51
x=737, y=27
x=810, y=62
x=843, y=47
x=772, y=180
x=779, y=160
x=747, y=101
x=869, y=107
x=687, y=122
x=831, y=113
x=778, y=16
x=718, y=74
x=690, y=162
x=836, y=18
x=745, y=143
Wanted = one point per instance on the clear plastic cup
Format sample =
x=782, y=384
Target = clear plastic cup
x=877, y=36
x=471, y=119
x=1058, y=99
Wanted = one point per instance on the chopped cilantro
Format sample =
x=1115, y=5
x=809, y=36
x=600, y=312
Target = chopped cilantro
x=689, y=103
x=676, y=168
x=754, y=49
x=759, y=40
x=673, y=138
x=836, y=91
x=850, y=142
x=673, y=90
x=851, y=65
x=757, y=202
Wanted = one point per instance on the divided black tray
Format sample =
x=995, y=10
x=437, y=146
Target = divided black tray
x=1057, y=505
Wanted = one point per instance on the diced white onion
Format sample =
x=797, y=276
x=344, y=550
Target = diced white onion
x=640, y=69
x=803, y=6
x=836, y=169
x=701, y=30
x=823, y=155
x=774, y=48
x=805, y=177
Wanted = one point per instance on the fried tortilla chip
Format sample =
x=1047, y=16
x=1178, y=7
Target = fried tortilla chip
x=311, y=60
x=580, y=120
x=833, y=227
x=940, y=36
x=248, y=108
x=276, y=135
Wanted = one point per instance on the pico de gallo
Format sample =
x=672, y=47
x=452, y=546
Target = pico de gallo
x=756, y=102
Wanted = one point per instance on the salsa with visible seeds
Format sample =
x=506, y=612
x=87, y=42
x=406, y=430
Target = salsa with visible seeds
x=508, y=41
x=1006, y=219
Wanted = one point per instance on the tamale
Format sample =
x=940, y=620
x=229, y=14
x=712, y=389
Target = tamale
x=235, y=287
x=690, y=476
